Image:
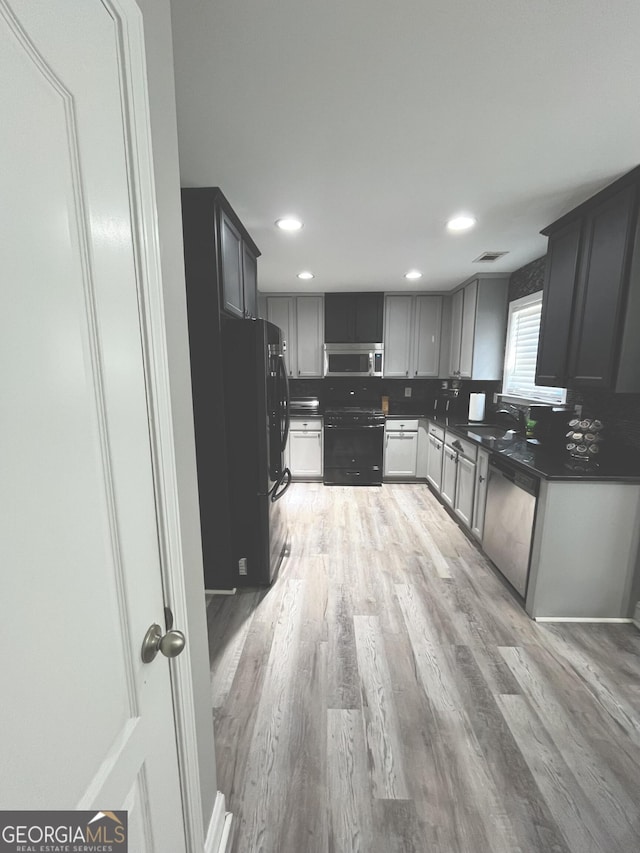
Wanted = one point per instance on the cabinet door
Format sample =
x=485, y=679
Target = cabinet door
x=449, y=466
x=232, y=294
x=400, y=454
x=305, y=454
x=281, y=312
x=368, y=318
x=426, y=335
x=249, y=282
x=456, y=331
x=480, y=495
x=397, y=335
x=601, y=291
x=434, y=462
x=339, y=310
x=309, y=316
x=465, y=488
x=557, y=304
x=468, y=331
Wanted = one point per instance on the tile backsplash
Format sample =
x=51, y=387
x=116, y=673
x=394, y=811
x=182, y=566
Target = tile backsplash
x=620, y=413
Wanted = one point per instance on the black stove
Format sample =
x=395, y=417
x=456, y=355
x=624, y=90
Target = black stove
x=353, y=445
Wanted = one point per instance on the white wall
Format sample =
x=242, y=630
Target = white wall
x=159, y=48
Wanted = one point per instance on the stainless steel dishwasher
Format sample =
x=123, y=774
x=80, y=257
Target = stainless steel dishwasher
x=509, y=520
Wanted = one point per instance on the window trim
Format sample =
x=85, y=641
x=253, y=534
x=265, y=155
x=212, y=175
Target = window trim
x=518, y=304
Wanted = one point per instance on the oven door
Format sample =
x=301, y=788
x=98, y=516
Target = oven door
x=353, y=455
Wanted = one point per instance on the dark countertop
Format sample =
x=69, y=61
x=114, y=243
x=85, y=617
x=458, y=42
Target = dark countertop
x=552, y=464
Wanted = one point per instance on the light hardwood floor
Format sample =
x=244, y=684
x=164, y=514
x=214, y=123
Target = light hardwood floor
x=389, y=695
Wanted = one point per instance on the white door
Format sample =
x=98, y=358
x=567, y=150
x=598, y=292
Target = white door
x=84, y=723
x=434, y=462
x=480, y=494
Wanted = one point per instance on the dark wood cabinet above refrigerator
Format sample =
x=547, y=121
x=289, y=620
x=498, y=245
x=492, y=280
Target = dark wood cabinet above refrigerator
x=353, y=318
x=590, y=331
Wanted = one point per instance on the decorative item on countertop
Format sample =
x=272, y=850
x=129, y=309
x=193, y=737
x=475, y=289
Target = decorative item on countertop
x=584, y=440
x=385, y=405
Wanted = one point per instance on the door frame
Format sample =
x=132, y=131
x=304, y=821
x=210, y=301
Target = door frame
x=138, y=143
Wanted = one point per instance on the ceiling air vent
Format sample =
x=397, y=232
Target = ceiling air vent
x=489, y=257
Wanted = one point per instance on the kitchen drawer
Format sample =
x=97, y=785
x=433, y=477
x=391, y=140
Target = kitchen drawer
x=436, y=430
x=467, y=448
x=402, y=425
x=305, y=424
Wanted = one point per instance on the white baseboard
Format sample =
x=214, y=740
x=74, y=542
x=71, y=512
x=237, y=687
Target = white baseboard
x=221, y=591
x=580, y=619
x=219, y=830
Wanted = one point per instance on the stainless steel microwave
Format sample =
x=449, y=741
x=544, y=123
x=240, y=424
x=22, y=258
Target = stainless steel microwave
x=353, y=359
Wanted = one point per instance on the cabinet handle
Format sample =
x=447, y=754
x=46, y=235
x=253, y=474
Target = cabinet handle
x=481, y=479
x=298, y=372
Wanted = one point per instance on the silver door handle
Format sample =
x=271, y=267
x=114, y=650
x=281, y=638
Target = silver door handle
x=170, y=644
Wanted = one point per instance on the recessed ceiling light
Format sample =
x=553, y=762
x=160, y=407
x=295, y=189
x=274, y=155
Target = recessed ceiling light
x=289, y=223
x=462, y=222
x=305, y=275
x=413, y=274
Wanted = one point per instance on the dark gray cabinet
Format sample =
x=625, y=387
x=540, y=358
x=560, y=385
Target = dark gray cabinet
x=590, y=331
x=353, y=318
x=220, y=270
x=234, y=267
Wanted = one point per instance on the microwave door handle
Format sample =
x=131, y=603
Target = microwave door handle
x=370, y=364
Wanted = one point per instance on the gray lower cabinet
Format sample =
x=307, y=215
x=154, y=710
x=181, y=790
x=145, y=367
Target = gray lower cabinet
x=304, y=448
x=449, y=474
x=401, y=449
x=465, y=487
x=480, y=496
x=435, y=455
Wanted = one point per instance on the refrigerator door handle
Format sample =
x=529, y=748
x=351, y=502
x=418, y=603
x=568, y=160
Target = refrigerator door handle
x=276, y=492
x=285, y=400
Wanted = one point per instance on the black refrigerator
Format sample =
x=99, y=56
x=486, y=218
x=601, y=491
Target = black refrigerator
x=256, y=397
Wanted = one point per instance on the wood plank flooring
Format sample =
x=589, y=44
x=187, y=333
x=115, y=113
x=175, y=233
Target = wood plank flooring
x=389, y=695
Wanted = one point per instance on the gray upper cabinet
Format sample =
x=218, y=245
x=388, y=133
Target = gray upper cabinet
x=398, y=312
x=478, y=328
x=309, y=332
x=426, y=338
x=457, y=301
x=412, y=335
x=281, y=312
x=301, y=319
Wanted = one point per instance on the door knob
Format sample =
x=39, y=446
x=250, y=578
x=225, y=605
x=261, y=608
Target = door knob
x=170, y=644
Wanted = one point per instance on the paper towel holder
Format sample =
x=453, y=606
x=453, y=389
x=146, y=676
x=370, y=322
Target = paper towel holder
x=476, y=407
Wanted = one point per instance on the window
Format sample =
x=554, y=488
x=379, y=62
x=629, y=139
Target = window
x=521, y=353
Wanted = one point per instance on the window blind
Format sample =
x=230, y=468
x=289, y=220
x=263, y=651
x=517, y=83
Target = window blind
x=522, y=352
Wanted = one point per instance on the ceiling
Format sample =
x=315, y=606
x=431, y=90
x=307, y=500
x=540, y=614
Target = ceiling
x=375, y=121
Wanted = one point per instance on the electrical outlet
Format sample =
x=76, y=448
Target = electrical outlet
x=407, y=392
x=578, y=409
